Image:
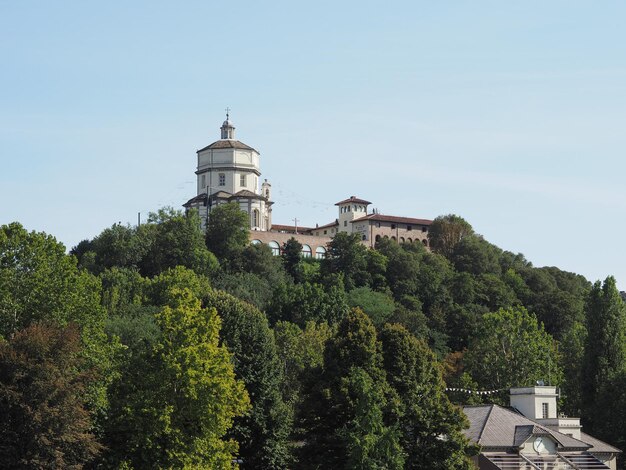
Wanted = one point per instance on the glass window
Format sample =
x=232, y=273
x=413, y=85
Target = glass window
x=242, y=180
x=203, y=183
x=408, y=227
x=544, y=410
x=255, y=242
x=255, y=218
x=393, y=226
x=275, y=247
x=320, y=252
x=222, y=179
x=345, y=223
x=306, y=251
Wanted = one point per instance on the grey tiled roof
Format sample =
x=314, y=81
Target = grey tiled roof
x=227, y=144
x=597, y=444
x=495, y=427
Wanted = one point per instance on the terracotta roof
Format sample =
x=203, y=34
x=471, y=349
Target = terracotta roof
x=495, y=427
x=332, y=224
x=353, y=199
x=290, y=229
x=227, y=144
x=248, y=194
x=393, y=218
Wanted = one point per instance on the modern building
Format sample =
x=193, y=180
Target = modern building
x=229, y=171
x=532, y=435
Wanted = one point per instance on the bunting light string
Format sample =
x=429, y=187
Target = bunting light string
x=475, y=392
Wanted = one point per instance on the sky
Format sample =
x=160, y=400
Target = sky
x=509, y=114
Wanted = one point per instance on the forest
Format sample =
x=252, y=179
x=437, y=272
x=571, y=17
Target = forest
x=165, y=346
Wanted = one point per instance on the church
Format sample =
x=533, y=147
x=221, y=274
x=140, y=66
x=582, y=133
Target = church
x=230, y=171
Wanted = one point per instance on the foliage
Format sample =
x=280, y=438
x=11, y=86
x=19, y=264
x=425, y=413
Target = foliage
x=176, y=240
x=263, y=432
x=347, y=255
x=176, y=399
x=426, y=413
x=227, y=234
x=347, y=414
x=511, y=349
x=378, y=306
x=605, y=346
x=44, y=421
x=446, y=232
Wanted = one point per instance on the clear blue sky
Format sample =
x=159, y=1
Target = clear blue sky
x=510, y=114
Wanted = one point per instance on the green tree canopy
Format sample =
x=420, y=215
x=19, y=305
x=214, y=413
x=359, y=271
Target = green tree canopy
x=227, y=234
x=263, y=432
x=426, y=413
x=176, y=400
x=446, y=232
x=511, y=349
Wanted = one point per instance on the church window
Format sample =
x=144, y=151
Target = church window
x=275, y=247
x=222, y=179
x=242, y=180
x=203, y=181
x=255, y=218
x=320, y=252
x=306, y=251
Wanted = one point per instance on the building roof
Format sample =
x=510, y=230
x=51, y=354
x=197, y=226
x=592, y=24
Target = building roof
x=200, y=198
x=353, y=199
x=227, y=144
x=597, y=445
x=393, y=218
x=291, y=229
x=493, y=426
x=332, y=224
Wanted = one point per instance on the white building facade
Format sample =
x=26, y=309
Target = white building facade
x=229, y=171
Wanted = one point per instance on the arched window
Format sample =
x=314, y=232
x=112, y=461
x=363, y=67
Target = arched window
x=401, y=239
x=410, y=240
x=377, y=238
x=255, y=242
x=425, y=242
x=320, y=252
x=255, y=218
x=306, y=251
x=275, y=247
x=393, y=238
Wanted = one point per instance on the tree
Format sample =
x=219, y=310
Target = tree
x=426, y=413
x=44, y=420
x=511, y=349
x=605, y=346
x=446, y=232
x=39, y=282
x=347, y=255
x=227, y=234
x=348, y=415
x=292, y=255
x=263, y=432
x=176, y=240
x=378, y=306
x=175, y=400
x=475, y=255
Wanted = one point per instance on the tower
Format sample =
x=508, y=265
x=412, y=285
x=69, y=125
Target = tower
x=228, y=171
x=350, y=209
